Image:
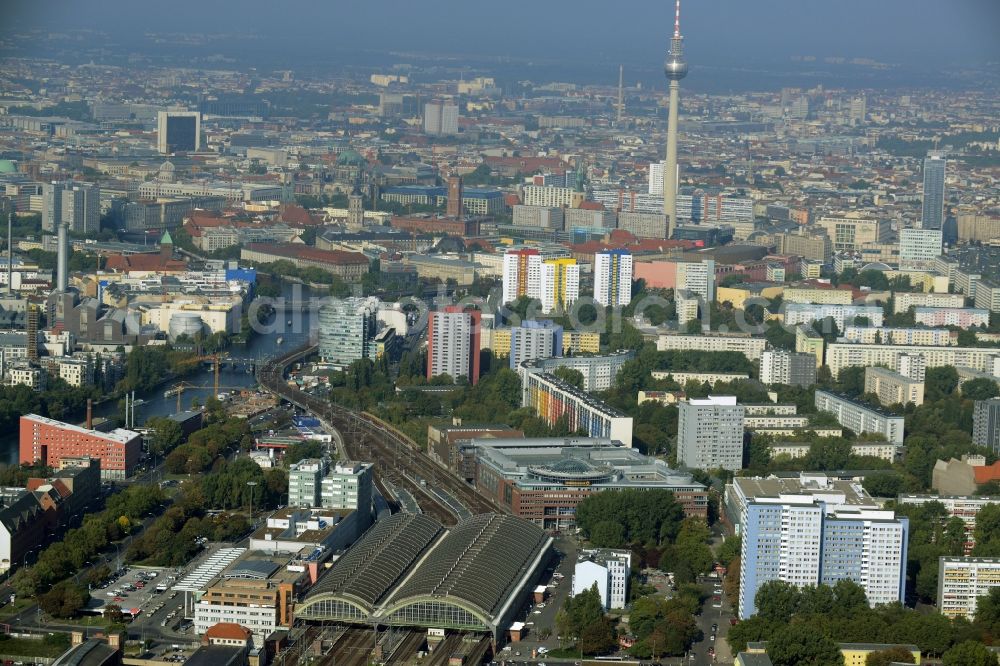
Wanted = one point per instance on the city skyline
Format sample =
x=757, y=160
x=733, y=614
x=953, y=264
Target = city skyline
x=892, y=31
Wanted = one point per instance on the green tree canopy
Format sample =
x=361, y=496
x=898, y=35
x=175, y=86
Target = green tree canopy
x=802, y=645
x=969, y=653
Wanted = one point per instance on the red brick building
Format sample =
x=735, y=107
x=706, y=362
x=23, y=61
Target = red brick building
x=49, y=441
x=348, y=265
x=437, y=225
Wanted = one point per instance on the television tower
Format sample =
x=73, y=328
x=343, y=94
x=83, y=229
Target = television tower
x=675, y=67
x=621, y=93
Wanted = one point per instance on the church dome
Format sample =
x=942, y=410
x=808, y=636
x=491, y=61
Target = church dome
x=351, y=158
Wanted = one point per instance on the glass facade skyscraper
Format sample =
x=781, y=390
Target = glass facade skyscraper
x=932, y=215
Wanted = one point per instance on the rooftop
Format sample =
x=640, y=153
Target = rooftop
x=118, y=435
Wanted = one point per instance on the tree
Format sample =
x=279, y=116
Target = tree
x=802, y=645
x=883, y=484
x=988, y=612
x=969, y=653
x=980, y=388
x=896, y=654
x=850, y=597
x=167, y=435
x=939, y=383
x=729, y=550
x=64, y=600
x=777, y=600
x=113, y=613
x=608, y=534
x=598, y=637
x=570, y=376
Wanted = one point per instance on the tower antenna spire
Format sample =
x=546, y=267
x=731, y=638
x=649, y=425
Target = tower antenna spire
x=677, y=19
x=621, y=92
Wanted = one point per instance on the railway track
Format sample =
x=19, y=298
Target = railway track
x=396, y=457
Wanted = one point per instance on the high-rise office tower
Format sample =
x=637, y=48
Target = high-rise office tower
x=454, y=196
x=675, y=67
x=346, y=329
x=178, y=132
x=932, y=215
x=52, y=204
x=613, y=277
x=453, y=343
x=81, y=208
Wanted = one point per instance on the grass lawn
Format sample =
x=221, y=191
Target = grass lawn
x=562, y=653
x=13, y=609
x=26, y=647
x=88, y=621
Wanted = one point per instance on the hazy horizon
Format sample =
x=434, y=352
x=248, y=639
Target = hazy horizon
x=912, y=33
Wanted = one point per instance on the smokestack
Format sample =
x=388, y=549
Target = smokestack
x=10, y=253
x=90, y=414
x=62, y=265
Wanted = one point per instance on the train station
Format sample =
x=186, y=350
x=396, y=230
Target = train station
x=410, y=571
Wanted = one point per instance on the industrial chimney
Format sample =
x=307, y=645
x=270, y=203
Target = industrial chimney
x=62, y=264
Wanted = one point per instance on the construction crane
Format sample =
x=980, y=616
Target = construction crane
x=216, y=361
x=179, y=388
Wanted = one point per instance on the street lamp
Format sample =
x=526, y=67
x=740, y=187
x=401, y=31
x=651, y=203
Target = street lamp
x=251, y=484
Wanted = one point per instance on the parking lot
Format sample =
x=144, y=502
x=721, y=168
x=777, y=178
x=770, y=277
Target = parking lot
x=134, y=589
x=540, y=617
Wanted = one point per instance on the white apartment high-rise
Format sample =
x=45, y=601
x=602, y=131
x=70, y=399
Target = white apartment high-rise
x=802, y=541
x=453, y=343
x=522, y=274
x=935, y=171
x=555, y=282
x=613, y=277
x=962, y=581
x=918, y=248
x=440, y=118
x=178, y=132
x=655, y=185
x=778, y=366
x=675, y=68
x=710, y=433
x=698, y=277
x=560, y=284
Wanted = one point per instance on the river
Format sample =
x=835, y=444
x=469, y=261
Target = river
x=292, y=326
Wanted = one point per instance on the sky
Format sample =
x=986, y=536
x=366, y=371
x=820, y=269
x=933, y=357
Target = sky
x=717, y=32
